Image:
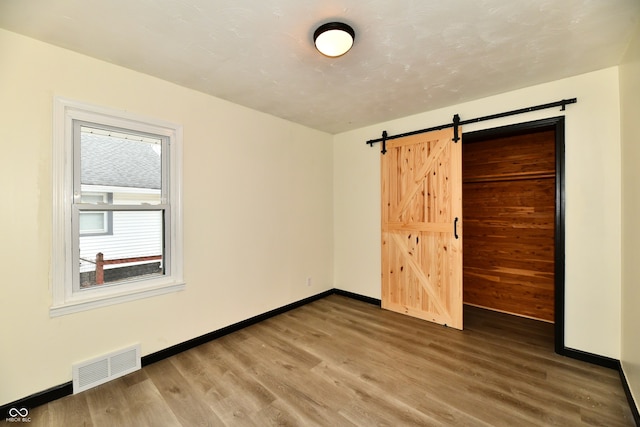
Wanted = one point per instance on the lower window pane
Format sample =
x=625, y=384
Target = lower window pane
x=132, y=252
x=93, y=222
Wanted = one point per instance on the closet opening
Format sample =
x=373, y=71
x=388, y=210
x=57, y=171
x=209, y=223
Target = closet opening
x=513, y=216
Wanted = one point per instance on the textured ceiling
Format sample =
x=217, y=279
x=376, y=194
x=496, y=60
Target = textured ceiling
x=409, y=56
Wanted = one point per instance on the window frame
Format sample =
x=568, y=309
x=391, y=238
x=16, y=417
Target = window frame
x=66, y=297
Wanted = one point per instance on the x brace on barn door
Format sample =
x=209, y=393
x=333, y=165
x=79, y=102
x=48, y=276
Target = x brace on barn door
x=456, y=122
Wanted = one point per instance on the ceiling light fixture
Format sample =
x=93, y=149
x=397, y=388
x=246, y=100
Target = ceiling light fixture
x=334, y=39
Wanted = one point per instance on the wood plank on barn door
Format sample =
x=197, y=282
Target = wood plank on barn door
x=421, y=189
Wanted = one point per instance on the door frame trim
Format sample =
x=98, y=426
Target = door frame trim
x=557, y=125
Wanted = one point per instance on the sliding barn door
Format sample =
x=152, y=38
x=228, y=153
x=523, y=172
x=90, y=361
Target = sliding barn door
x=422, y=227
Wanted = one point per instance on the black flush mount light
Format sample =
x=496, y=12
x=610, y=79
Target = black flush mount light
x=334, y=39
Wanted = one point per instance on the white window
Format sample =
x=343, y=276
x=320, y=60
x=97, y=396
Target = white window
x=117, y=213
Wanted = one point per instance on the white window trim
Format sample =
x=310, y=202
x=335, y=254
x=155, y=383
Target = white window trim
x=64, y=299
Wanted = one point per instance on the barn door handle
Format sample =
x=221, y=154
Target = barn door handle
x=455, y=228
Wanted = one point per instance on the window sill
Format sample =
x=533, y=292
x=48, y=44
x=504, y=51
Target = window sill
x=115, y=297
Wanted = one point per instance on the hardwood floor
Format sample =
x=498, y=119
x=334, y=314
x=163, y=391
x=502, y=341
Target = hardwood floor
x=342, y=362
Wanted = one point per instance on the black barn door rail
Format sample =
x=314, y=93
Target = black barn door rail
x=457, y=122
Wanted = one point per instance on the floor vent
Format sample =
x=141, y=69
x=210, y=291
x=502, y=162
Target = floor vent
x=100, y=370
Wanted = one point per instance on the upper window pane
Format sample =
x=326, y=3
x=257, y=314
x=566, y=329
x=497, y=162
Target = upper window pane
x=129, y=165
x=94, y=198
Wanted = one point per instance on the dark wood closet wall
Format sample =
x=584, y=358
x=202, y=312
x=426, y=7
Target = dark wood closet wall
x=508, y=212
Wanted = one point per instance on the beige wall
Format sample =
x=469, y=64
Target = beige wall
x=257, y=215
x=592, y=199
x=630, y=124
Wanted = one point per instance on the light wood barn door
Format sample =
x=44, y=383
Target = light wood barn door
x=422, y=227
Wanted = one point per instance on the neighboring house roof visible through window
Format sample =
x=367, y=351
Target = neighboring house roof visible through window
x=119, y=162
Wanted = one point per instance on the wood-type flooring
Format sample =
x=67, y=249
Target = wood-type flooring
x=343, y=362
